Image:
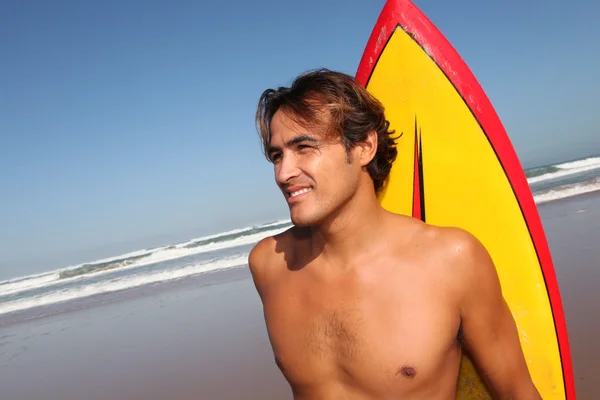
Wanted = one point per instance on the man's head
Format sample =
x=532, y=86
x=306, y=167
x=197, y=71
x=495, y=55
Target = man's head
x=326, y=135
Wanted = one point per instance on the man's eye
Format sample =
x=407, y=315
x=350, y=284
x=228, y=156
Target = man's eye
x=275, y=157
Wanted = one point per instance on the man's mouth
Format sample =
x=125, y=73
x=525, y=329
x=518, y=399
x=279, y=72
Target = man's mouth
x=298, y=192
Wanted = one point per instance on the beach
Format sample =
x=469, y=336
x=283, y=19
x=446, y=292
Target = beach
x=573, y=230
x=203, y=337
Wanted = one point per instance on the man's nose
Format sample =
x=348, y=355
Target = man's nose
x=287, y=169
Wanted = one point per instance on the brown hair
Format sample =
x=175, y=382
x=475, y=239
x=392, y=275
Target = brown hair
x=351, y=113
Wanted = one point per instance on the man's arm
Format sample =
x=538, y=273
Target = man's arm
x=490, y=334
x=260, y=260
x=256, y=264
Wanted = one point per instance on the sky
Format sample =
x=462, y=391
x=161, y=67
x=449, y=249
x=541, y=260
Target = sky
x=130, y=124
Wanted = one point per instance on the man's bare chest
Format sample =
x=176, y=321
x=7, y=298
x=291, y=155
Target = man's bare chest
x=382, y=334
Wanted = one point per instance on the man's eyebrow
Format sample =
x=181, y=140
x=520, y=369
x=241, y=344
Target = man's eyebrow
x=292, y=142
x=301, y=138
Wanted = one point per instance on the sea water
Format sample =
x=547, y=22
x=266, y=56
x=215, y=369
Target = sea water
x=32, y=295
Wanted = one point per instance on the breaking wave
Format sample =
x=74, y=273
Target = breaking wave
x=567, y=191
x=106, y=286
x=128, y=270
x=540, y=174
x=225, y=240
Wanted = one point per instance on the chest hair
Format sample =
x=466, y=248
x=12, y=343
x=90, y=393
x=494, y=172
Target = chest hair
x=334, y=334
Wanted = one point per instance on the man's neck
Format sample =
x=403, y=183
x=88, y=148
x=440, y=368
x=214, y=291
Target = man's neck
x=347, y=232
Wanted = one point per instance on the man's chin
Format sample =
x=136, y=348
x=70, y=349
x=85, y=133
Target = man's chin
x=300, y=220
x=304, y=219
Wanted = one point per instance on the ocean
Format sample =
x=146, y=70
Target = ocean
x=50, y=292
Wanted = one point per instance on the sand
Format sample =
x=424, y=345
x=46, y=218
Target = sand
x=573, y=231
x=204, y=337
x=186, y=341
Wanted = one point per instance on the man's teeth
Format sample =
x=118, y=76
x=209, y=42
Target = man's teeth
x=299, y=192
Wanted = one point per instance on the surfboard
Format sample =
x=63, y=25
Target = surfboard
x=456, y=166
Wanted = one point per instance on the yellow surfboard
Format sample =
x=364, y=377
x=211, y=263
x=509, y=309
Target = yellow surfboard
x=456, y=167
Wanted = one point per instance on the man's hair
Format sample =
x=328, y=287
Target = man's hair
x=332, y=104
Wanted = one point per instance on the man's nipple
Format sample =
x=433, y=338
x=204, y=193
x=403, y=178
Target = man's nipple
x=407, y=371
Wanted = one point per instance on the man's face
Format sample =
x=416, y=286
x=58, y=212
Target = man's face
x=312, y=172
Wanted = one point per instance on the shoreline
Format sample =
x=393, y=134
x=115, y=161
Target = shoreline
x=576, y=198
x=204, y=336
x=222, y=275
x=198, y=281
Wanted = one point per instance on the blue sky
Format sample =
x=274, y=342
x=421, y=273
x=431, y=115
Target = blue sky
x=128, y=124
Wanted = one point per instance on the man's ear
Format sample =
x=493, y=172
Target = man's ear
x=367, y=149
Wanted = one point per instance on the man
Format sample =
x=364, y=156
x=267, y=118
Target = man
x=360, y=303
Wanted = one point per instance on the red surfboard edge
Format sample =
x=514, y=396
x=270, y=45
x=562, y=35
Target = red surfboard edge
x=413, y=21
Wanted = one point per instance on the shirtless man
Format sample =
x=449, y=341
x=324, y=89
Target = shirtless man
x=361, y=303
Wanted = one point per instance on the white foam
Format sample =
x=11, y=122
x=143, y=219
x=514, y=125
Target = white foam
x=231, y=232
x=120, y=284
x=274, y=223
x=45, y=278
x=179, y=252
x=159, y=255
x=586, y=162
x=216, y=235
x=565, y=171
x=567, y=191
x=27, y=282
x=32, y=281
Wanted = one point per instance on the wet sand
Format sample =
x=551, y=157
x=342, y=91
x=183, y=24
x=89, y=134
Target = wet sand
x=204, y=337
x=186, y=341
x=573, y=230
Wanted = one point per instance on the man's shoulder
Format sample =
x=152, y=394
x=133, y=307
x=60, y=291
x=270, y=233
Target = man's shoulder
x=456, y=252
x=448, y=239
x=271, y=246
x=455, y=244
x=467, y=264
x=270, y=253
x=265, y=250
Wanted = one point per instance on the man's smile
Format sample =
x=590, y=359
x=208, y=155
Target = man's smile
x=297, y=193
